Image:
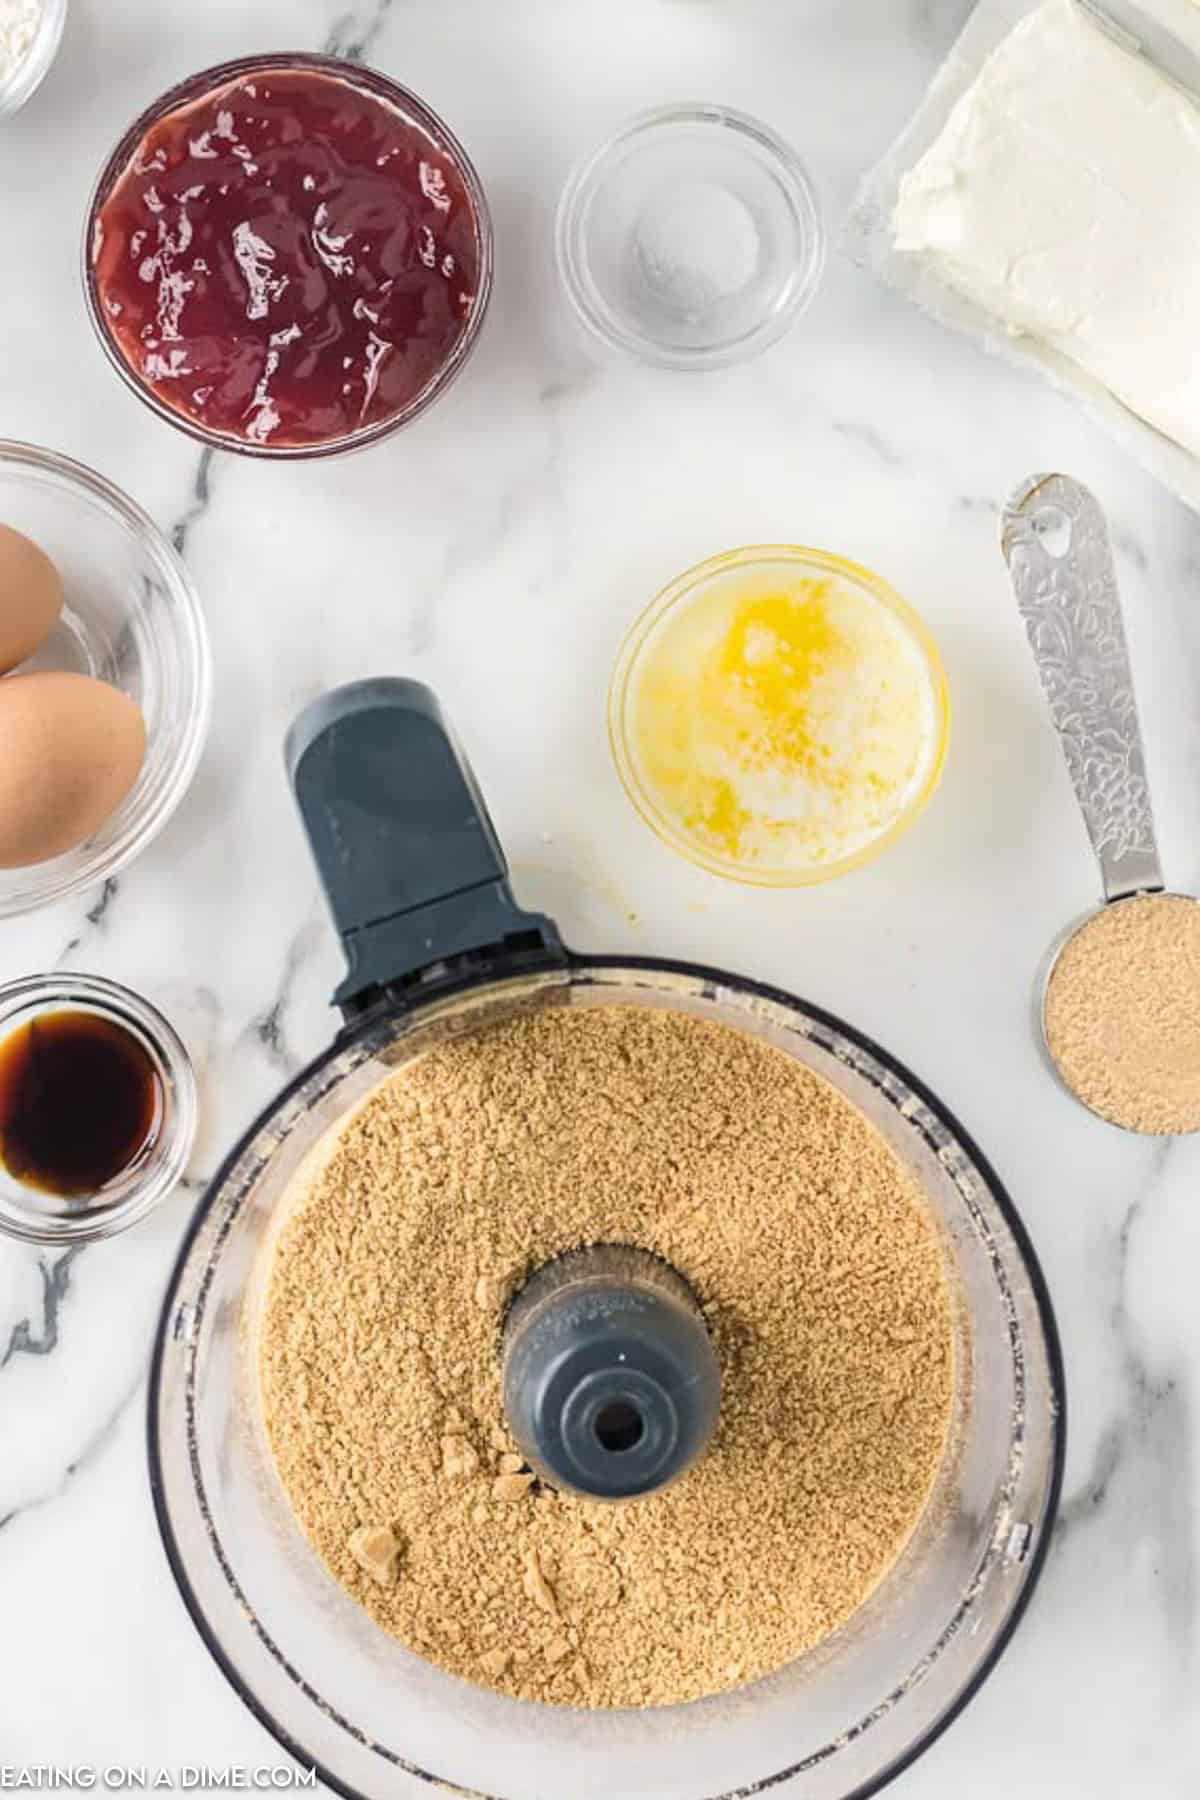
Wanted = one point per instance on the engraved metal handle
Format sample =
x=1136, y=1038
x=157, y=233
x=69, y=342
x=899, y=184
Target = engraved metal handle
x=1055, y=542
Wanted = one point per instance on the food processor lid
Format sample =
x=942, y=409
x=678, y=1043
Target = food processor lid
x=403, y=841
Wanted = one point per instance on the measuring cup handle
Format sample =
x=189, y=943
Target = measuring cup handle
x=408, y=856
x=1055, y=541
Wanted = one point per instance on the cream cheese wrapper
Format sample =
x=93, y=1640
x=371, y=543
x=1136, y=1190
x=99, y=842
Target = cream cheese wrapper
x=1048, y=285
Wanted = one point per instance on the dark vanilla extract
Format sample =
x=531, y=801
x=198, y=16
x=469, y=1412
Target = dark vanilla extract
x=80, y=1101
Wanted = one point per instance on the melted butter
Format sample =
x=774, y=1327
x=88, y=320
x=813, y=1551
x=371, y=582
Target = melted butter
x=781, y=723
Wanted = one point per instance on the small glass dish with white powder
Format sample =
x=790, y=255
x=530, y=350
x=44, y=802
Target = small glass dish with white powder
x=692, y=239
x=30, y=33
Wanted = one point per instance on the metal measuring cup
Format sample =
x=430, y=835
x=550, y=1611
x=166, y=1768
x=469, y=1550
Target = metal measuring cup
x=1055, y=540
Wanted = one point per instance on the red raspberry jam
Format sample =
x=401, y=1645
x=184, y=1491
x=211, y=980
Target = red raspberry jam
x=288, y=260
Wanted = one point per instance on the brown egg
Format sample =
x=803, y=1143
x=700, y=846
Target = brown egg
x=70, y=750
x=31, y=597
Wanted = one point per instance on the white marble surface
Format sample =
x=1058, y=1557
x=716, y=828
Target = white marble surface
x=498, y=551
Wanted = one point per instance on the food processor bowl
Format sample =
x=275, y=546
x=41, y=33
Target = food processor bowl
x=339, y=1693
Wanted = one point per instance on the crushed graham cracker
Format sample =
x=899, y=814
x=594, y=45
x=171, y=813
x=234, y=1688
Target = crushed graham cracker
x=377, y=1550
x=823, y=1282
x=1122, y=1013
x=460, y=1459
x=511, y=1486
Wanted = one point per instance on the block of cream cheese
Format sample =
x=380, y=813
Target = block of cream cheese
x=1062, y=197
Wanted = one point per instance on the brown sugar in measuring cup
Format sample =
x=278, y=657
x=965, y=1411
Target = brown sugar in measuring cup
x=1119, y=1004
x=1121, y=1010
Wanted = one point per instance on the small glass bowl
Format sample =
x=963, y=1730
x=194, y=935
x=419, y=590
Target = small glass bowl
x=692, y=239
x=411, y=108
x=132, y=619
x=41, y=1218
x=759, y=560
x=30, y=73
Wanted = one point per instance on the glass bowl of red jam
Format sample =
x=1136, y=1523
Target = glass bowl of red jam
x=288, y=256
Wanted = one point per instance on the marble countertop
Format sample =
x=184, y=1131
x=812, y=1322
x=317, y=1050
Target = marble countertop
x=498, y=551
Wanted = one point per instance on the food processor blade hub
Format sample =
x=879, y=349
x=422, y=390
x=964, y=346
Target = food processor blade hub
x=610, y=1378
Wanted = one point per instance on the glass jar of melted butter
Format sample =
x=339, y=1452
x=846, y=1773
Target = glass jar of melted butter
x=779, y=715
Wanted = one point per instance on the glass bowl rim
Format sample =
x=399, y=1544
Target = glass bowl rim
x=140, y=832
x=360, y=1039
x=384, y=87
x=582, y=184
x=34, y=67
x=123, y=1006
x=676, y=593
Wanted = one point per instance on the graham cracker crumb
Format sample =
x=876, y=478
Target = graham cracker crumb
x=511, y=1487
x=460, y=1459
x=489, y=1293
x=377, y=1550
x=536, y=1585
x=823, y=1280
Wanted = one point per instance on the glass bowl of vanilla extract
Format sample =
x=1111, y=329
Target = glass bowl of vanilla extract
x=97, y=1108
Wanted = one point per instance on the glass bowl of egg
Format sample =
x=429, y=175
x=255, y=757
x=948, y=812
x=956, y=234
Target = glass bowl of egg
x=105, y=679
x=779, y=715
